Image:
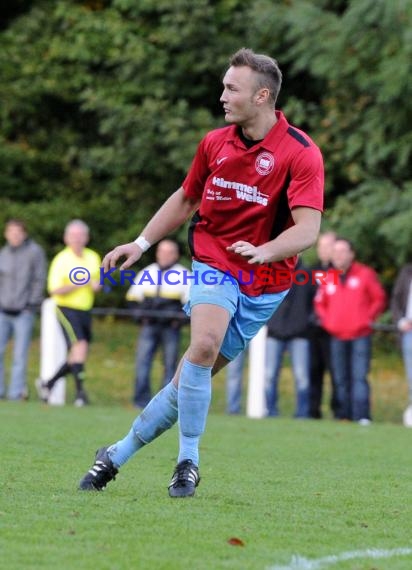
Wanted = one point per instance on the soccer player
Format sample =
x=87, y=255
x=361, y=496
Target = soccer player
x=74, y=302
x=255, y=190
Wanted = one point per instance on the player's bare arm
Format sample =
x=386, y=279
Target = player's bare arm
x=289, y=243
x=172, y=214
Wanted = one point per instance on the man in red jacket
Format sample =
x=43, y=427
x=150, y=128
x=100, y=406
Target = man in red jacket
x=347, y=307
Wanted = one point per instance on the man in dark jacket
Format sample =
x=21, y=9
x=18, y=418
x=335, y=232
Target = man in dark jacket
x=22, y=282
x=288, y=331
x=319, y=338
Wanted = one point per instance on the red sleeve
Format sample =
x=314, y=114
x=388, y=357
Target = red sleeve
x=194, y=183
x=306, y=187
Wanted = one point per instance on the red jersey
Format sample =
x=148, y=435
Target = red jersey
x=248, y=194
x=347, y=308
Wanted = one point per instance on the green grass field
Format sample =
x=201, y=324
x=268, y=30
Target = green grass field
x=290, y=494
x=282, y=487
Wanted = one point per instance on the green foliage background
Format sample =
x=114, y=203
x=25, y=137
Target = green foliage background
x=102, y=104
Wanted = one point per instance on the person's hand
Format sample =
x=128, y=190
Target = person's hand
x=131, y=251
x=246, y=249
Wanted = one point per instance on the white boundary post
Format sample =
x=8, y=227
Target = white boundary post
x=53, y=351
x=256, y=404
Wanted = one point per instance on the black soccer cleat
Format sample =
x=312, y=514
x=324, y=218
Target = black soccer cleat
x=185, y=479
x=100, y=473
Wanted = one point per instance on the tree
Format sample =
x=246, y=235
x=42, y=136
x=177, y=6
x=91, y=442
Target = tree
x=350, y=64
x=103, y=104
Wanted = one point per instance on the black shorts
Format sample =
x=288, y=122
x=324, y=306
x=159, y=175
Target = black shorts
x=76, y=324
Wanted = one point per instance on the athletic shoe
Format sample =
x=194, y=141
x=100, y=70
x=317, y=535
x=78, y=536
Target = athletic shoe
x=364, y=422
x=185, y=479
x=100, y=474
x=42, y=389
x=81, y=399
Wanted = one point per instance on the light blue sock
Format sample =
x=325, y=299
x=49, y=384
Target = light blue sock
x=195, y=391
x=159, y=415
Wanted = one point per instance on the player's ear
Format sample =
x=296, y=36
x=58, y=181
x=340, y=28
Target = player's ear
x=262, y=95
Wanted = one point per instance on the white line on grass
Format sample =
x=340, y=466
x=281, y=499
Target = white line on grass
x=299, y=563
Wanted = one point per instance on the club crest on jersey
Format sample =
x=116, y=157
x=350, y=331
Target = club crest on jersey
x=264, y=163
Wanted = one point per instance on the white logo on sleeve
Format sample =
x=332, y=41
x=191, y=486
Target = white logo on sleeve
x=220, y=160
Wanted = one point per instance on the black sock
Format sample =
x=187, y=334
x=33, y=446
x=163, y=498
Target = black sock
x=62, y=371
x=77, y=369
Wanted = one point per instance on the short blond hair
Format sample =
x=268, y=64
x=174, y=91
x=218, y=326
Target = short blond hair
x=269, y=74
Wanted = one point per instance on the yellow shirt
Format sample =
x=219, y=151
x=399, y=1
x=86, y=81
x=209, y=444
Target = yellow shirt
x=62, y=273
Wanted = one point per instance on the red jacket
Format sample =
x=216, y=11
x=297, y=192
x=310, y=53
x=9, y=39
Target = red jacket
x=347, y=308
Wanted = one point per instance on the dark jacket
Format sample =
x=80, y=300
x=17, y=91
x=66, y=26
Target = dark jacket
x=400, y=293
x=292, y=319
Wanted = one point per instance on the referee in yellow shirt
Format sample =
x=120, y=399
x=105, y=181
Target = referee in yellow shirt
x=72, y=282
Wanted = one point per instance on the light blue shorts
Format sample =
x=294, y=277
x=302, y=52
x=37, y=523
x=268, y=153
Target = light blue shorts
x=248, y=314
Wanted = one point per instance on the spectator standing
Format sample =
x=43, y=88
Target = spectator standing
x=347, y=305
x=22, y=283
x=401, y=308
x=288, y=332
x=163, y=287
x=319, y=338
x=73, y=294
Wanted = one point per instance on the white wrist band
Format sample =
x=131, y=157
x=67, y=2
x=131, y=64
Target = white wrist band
x=142, y=242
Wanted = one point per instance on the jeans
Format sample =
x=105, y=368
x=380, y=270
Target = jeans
x=300, y=359
x=20, y=327
x=406, y=346
x=319, y=341
x=151, y=337
x=234, y=381
x=350, y=361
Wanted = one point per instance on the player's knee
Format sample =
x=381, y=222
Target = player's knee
x=205, y=351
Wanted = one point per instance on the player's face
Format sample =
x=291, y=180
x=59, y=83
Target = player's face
x=239, y=97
